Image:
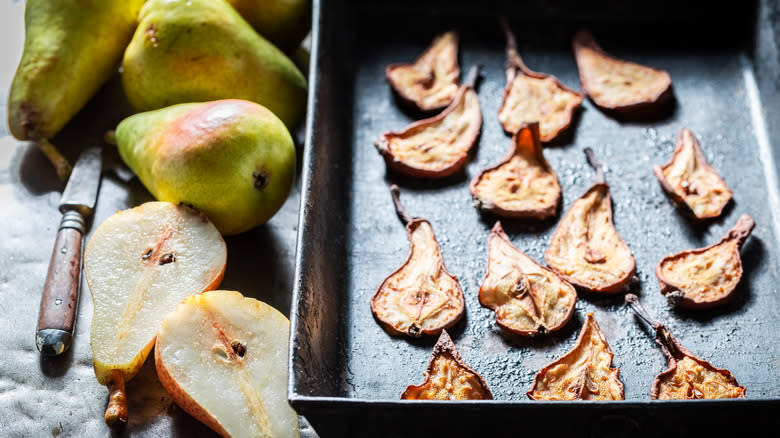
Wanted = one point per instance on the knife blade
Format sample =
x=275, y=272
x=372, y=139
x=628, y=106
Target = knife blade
x=59, y=301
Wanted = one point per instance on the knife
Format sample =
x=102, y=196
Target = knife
x=61, y=291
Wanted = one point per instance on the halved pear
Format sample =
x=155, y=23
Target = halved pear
x=223, y=359
x=586, y=249
x=688, y=377
x=431, y=82
x=690, y=180
x=530, y=96
x=618, y=85
x=528, y=298
x=584, y=373
x=139, y=265
x=421, y=298
x=705, y=277
x=523, y=184
x=447, y=377
x=438, y=146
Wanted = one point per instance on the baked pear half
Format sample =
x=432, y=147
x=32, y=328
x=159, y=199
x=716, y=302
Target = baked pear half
x=705, y=277
x=531, y=96
x=688, y=377
x=691, y=181
x=527, y=298
x=421, y=298
x=431, y=82
x=523, y=184
x=447, y=377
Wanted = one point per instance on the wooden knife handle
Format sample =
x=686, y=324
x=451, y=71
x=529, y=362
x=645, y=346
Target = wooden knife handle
x=57, y=316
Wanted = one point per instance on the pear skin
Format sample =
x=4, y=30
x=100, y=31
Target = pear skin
x=234, y=160
x=187, y=51
x=284, y=22
x=71, y=49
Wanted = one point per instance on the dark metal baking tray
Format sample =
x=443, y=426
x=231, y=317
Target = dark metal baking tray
x=347, y=374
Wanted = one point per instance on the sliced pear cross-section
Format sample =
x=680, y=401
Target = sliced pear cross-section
x=431, y=82
x=690, y=180
x=530, y=96
x=688, y=377
x=448, y=377
x=421, y=298
x=523, y=184
x=223, y=359
x=584, y=373
x=705, y=277
x=438, y=146
x=139, y=265
x=528, y=298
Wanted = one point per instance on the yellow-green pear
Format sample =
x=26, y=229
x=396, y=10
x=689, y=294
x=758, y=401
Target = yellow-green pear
x=285, y=22
x=233, y=160
x=71, y=48
x=187, y=51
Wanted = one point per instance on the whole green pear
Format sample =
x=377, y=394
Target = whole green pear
x=71, y=48
x=202, y=50
x=234, y=160
x=285, y=22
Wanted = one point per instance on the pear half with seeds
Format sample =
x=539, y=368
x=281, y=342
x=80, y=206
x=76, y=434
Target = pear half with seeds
x=223, y=359
x=139, y=265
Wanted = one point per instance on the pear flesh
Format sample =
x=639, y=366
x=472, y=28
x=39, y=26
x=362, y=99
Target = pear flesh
x=234, y=160
x=71, y=49
x=202, y=50
x=223, y=359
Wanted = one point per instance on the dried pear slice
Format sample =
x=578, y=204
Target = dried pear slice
x=691, y=181
x=523, y=185
x=447, y=377
x=586, y=249
x=431, y=82
x=688, y=377
x=421, y=298
x=531, y=96
x=584, y=373
x=705, y=277
x=528, y=298
x=438, y=146
x=618, y=85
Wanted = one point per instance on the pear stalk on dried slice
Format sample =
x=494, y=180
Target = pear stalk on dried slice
x=705, y=277
x=617, y=85
x=438, y=146
x=523, y=184
x=139, y=265
x=688, y=377
x=431, y=82
x=447, y=377
x=528, y=298
x=421, y=298
x=223, y=359
x=690, y=180
x=531, y=96
x=584, y=373
x=586, y=249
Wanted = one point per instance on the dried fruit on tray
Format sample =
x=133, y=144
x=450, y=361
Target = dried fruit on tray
x=688, y=377
x=421, y=298
x=618, y=85
x=523, y=185
x=705, y=277
x=438, y=146
x=431, y=82
x=448, y=377
x=690, y=180
x=586, y=249
x=584, y=373
x=528, y=298
x=531, y=96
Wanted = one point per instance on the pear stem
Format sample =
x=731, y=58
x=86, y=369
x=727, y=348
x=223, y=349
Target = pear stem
x=633, y=302
x=110, y=137
x=596, y=165
x=116, y=411
x=60, y=163
x=395, y=192
x=513, y=60
x=471, y=79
